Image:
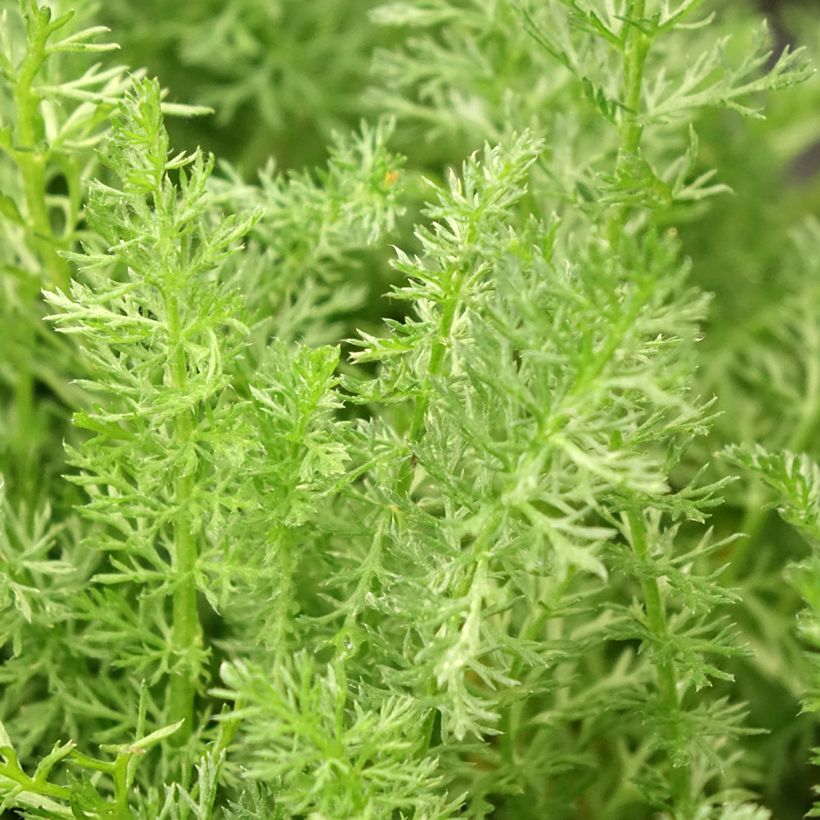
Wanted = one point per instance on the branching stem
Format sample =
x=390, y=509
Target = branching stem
x=636, y=49
x=664, y=669
x=31, y=159
x=31, y=162
x=437, y=352
x=187, y=632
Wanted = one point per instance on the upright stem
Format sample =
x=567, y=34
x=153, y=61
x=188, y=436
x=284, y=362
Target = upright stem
x=186, y=629
x=406, y=474
x=437, y=351
x=31, y=162
x=121, y=810
x=636, y=48
x=664, y=669
x=31, y=159
x=24, y=438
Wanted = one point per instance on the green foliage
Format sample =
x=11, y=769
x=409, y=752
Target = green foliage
x=472, y=559
x=54, y=104
x=314, y=231
x=159, y=351
x=333, y=752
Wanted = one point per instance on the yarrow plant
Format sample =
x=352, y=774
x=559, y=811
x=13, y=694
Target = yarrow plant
x=266, y=554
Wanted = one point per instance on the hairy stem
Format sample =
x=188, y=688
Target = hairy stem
x=636, y=49
x=439, y=348
x=186, y=630
x=121, y=811
x=434, y=365
x=25, y=436
x=636, y=45
x=31, y=163
x=664, y=669
x=31, y=159
x=42, y=787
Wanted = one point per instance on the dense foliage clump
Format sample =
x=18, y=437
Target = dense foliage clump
x=466, y=467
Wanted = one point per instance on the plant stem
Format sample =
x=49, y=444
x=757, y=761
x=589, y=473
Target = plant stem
x=437, y=351
x=636, y=48
x=120, y=777
x=31, y=159
x=664, y=669
x=186, y=629
x=31, y=163
x=44, y=788
x=25, y=438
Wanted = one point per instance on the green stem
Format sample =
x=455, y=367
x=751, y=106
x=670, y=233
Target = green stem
x=437, y=351
x=636, y=49
x=36, y=787
x=25, y=440
x=285, y=562
x=31, y=162
x=31, y=159
x=369, y=571
x=636, y=46
x=664, y=669
x=186, y=629
x=531, y=630
x=120, y=776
